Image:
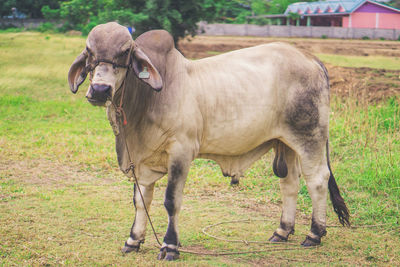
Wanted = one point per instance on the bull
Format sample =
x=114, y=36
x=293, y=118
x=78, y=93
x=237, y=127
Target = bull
x=231, y=108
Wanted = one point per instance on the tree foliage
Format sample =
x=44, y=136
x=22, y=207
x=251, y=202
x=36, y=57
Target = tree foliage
x=239, y=11
x=32, y=8
x=83, y=15
x=394, y=3
x=179, y=17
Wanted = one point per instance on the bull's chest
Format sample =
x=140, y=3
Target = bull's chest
x=130, y=150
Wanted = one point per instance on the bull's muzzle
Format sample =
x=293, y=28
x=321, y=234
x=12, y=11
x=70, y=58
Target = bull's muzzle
x=98, y=94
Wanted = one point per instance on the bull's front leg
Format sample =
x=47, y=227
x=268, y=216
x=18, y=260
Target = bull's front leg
x=177, y=173
x=138, y=229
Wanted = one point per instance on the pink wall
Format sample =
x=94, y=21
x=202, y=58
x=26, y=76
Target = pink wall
x=360, y=20
x=368, y=20
x=389, y=21
x=345, y=22
x=371, y=15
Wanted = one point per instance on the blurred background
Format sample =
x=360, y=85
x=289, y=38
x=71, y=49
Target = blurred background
x=181, y=17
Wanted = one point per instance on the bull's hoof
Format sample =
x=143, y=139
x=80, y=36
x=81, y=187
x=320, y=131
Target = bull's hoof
x=277, y=238
x=311, y=242
x=168, y=254
x=129, y=248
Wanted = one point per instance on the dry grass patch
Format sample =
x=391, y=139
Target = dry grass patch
x=86, y=221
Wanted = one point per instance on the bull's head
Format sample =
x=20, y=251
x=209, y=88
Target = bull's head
x=109, y=54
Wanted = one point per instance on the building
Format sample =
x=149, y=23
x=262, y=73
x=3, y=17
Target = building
x=342, y=13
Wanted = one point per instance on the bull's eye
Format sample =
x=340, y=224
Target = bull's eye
x=89, y=51
x=124, y=53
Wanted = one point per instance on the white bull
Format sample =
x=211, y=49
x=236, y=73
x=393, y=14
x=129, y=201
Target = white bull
x=231, y=108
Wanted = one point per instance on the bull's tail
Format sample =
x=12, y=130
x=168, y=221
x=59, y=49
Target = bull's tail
x=337, y=201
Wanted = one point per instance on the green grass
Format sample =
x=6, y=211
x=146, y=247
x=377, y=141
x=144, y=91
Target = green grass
x=63, y=200
x=375, y=62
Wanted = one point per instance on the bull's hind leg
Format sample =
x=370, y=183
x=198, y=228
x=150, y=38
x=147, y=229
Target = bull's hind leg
x=316, y=172
x=289, y=190
x=138, y=229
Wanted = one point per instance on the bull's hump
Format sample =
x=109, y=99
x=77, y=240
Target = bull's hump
x=156, y=40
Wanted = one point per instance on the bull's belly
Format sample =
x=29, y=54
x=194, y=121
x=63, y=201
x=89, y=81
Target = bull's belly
x=231, y=141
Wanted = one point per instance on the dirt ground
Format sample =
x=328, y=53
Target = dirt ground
x=375, y=84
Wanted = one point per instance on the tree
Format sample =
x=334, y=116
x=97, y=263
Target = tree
x=235, y=11
x=279, y=6
x=179, y=17
x=394, y=3
x=32, y=8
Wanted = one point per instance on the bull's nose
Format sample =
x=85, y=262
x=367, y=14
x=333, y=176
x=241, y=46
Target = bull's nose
x=101, y=88
x=99, y=92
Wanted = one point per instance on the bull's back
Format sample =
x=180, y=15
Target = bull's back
x=241, y=95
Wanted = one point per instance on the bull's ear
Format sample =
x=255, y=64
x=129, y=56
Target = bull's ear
x=145, y=70
x=77, y=72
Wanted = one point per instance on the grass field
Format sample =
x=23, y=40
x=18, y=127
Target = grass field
x=63, y=200
x=378, y=62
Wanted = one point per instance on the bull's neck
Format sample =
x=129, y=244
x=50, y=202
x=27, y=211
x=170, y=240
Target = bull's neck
x=138, y=98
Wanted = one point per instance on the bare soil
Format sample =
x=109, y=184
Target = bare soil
x=370, y=84
x=199, y=46
x=376, y=84
x=47, y=173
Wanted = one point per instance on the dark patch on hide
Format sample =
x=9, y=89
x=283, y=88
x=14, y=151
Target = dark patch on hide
x=134, y=195
x=169, y=205
x=317, y=229
x=176, y=170
x=132, y=235
x=286, y=227
x=171, y=237
x=302, y=116
x=174, y=175
x=279, y=166
x=120, y=149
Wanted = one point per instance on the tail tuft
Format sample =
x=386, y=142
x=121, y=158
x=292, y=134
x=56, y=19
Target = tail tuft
x=339, y=206
x=338, y=202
